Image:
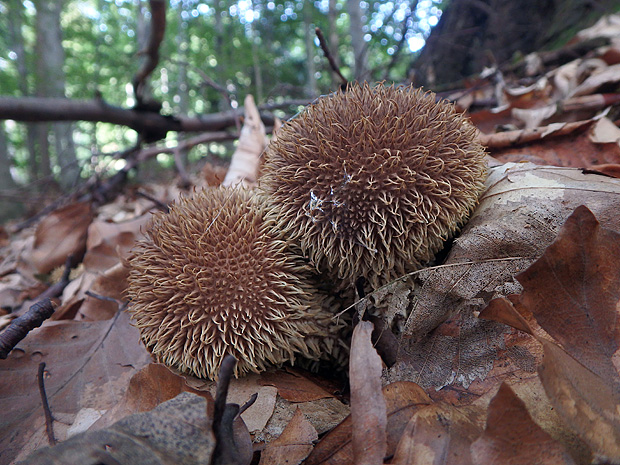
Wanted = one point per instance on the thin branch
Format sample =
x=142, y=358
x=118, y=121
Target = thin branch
x=49, y=419
x=330, y=58
x=158, y=28
x=61, y=109
x=20, y=327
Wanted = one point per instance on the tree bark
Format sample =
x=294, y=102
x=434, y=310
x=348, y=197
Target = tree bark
x=475, y=34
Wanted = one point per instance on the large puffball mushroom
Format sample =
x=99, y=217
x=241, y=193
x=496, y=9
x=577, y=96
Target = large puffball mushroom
x=210, y=279
x=373, y=180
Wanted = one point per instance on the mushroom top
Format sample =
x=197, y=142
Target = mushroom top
x=210, y=279
x=373, y=180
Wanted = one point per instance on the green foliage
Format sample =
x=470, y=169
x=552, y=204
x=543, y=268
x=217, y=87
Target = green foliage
x=219, y=40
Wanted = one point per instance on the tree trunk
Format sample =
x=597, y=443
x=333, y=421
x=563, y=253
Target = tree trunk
x=51, y=83
x=9, y=206
x=332, y=35
x=258, y=74
x=16, y=40
x=312, y=89
x=357, y=39
x=475, y=34
x=182, y=45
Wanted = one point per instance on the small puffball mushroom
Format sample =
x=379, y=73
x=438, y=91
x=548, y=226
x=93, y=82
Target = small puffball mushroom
x=210, y=279
x=372, y=181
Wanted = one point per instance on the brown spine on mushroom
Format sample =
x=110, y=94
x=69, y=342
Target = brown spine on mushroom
x=211, y=279
x=372, y=181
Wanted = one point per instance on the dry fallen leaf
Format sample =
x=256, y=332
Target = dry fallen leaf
x=293, y=445
x=148, y=387
x=589, y=404
x=437, y=434
x=402, y=400
x=368, y=410
x=60, y=234
x=109, y=242
x=512, y=437
x=176, y=432
x=573, y=290
x=293, y=386
x=88, y=365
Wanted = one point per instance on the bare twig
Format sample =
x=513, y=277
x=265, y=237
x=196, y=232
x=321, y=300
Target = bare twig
x=186, y=182
x=158, y=203
x=330, y=58
x=249, y=403
x=158, y=27
x=121, y=304
x=61, y=109
x=20, y=327
x=49, y=419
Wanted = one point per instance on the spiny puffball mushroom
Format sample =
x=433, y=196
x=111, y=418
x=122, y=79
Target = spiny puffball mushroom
x=373, y=180
x=210, y=279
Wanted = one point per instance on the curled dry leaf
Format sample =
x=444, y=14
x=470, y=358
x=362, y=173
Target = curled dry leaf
x=580, y=144
x=512, y=437
x=368, y=410
x=252, y=141
x=293, y=445
x=60, y=234
x=177, y=431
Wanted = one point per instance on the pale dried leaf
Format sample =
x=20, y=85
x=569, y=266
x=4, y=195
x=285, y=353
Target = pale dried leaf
x=252, y=141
